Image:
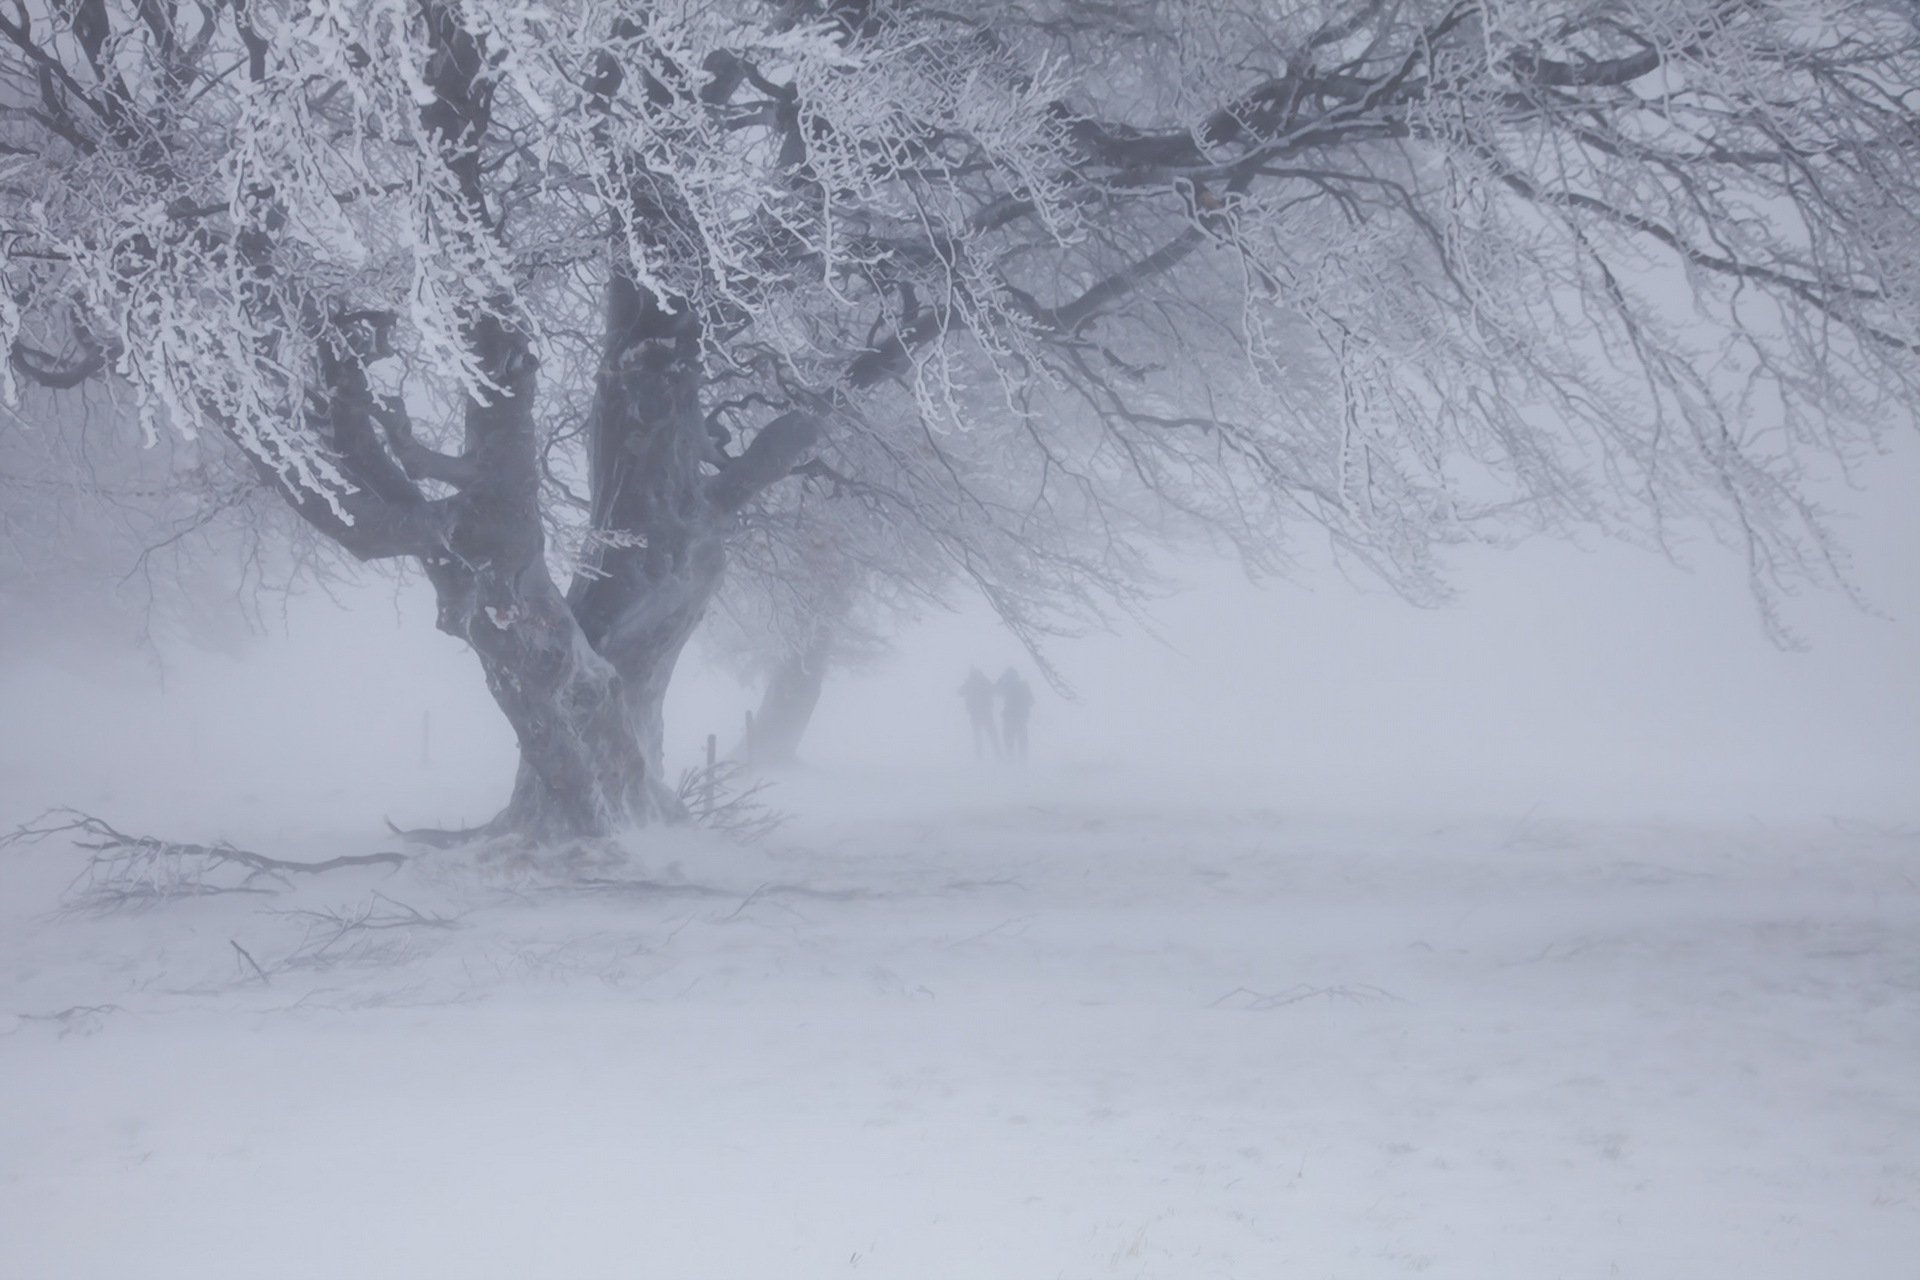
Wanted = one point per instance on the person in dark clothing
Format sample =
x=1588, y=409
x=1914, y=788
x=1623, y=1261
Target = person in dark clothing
x=1016, y=702
x=977, y=693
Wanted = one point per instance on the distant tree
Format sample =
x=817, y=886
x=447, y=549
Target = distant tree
x=812, y=589
x=512, y=291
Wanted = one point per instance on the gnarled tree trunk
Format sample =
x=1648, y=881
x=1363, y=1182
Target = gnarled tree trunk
x=584, y=768
x=588, y=722
x=583, y=678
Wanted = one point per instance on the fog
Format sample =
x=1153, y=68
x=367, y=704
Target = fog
x=1566, y=929
x=1598, y=681
x=442, y=446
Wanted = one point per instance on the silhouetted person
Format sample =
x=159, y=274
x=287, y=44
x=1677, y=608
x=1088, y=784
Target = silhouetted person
x=977, y=693
x=1016, y=703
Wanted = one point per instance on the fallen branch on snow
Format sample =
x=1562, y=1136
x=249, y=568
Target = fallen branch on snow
x=79, y=1019
x=328, y=927
x=251, y=962
x=137, y=871
x=725, y=796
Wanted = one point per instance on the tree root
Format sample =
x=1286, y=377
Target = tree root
x=445, y=837
x=724, y=796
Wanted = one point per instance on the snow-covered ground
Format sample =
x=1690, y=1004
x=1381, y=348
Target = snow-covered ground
x=1028, y=1028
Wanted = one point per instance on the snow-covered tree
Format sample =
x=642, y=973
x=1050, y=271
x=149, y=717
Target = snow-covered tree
x=1026, y=281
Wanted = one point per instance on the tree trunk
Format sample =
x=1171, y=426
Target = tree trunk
x=581, y=680
x=787, y=706
x=584, y=771
x=583, y=676
x=588, y=723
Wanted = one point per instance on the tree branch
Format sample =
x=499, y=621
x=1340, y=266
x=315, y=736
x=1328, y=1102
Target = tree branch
x=416, y=459
x=772, y=456
x=45, y=369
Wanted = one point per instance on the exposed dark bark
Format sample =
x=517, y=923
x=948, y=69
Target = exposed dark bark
x=582, y=772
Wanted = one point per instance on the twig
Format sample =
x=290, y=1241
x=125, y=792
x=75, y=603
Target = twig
x=369, y=918
x=81, y=1018
x=745, y=903
x=724, y=795
x=244, y=955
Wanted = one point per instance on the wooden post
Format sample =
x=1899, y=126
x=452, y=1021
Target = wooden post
x=713, y=751
x=426, y=739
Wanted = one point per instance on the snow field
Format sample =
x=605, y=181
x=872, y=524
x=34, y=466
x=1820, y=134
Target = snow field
x=1015, y=1036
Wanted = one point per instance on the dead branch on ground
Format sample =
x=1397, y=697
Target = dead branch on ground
x=727, y=797
x=79, y=1019
x=133, y=872
x=329, y=927
x=251, y=962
